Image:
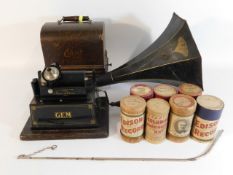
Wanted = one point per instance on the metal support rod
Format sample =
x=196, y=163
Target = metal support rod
x=53, y=147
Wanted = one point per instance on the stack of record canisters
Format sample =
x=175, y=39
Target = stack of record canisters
x=165, y=111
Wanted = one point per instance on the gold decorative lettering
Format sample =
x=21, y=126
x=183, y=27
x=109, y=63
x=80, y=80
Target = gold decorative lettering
x=60, y=115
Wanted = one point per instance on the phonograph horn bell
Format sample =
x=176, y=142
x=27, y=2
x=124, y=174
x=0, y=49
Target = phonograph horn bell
x=173, y=58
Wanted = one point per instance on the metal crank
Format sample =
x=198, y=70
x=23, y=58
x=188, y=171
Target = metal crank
x=53, y=147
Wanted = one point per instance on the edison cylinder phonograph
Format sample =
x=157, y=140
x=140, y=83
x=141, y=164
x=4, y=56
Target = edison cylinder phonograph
x=67, y=103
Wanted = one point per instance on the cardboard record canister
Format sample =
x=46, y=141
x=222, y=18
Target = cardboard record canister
x=132, y=118
x=164, y=91
x=209, y=110
x=156, y=120
x=181, y=117
x=190, y=89
x=142, y=90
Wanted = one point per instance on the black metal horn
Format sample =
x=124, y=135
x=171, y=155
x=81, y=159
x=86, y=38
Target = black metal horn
x=173, y=58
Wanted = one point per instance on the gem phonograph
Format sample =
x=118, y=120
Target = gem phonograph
x=67, y=102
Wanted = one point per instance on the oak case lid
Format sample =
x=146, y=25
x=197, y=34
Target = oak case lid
x=74, y=45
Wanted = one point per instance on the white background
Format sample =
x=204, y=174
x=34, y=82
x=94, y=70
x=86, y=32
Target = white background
x=131, y=26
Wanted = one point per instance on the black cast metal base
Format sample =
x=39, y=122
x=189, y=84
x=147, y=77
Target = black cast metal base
x=100, y=131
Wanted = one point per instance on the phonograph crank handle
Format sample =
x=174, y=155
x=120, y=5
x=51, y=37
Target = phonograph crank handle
x=53, y=147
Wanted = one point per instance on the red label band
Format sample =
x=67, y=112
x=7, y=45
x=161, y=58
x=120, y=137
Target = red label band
x=131, y=131
x=132, y=126
x=132, y=122
x=203, y=135
x=156, y=126
x=204, y=129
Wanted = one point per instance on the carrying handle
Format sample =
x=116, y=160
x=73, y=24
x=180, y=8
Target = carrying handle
x=78, y=19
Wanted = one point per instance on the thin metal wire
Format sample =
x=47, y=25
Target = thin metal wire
x=53, y=147
x=24, y=156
